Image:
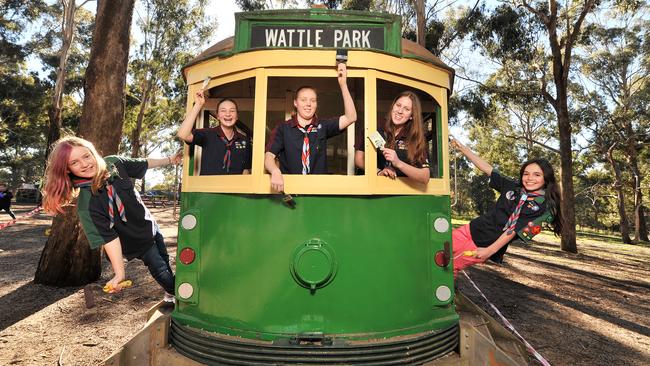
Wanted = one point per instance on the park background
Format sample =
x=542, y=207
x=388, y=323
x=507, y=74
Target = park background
x=566, y=81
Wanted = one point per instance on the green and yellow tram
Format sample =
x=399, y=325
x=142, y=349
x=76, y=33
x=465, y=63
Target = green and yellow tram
x=359, y=271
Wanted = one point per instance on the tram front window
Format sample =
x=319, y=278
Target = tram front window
x=338, y=149
x=224, y=130
x=388, y=99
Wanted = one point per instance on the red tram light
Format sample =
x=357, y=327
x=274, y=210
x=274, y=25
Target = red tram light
x=187, y=256
x=443, y=257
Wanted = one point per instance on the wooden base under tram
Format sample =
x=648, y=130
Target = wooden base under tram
x=483, y=341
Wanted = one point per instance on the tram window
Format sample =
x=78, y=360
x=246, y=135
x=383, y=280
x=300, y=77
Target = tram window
x=387, y=91
x=280, y=108
x=210, y=160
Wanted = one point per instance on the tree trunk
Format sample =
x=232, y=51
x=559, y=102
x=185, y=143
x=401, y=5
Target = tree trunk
x=67, y=37
x=643, y=225
x=65, y=258
x=137, y=131
x=640, y=232
x=568, y=240
x=103, y=109
x=618, y=184
x=421, y=22
x=101, y=123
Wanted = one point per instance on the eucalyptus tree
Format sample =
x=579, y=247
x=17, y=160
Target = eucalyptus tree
x=66, y=36
x=170, y=30
x=616, y=65
x=541, y=37
x=22, y=95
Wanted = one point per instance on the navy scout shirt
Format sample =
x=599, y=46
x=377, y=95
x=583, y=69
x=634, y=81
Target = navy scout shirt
x=214, y=151
x=487, y=228
x=137, y=233
x=286, y=143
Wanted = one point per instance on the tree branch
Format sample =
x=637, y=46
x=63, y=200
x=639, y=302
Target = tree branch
x=552, y=149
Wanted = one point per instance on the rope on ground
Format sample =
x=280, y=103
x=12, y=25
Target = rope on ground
x=12, y=222
x=505, y=321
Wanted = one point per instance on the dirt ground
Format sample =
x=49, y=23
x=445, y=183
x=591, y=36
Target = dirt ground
x=586, y=309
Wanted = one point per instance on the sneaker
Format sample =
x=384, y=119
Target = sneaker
x=169, y=298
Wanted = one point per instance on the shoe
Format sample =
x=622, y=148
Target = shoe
x=169, y=298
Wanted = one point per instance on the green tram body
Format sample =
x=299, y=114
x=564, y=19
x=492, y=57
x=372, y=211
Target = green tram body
x=339, y=279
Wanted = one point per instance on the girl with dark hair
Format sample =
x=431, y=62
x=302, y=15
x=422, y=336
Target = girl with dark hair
x=110, y=209
x=521, y=209
x=226, y=150
x=404, y=154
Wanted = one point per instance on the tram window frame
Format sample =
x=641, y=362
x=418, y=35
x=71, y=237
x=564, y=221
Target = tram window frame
x=367, y=184
x=438, y=183
x=280, y=108
x=219, y=89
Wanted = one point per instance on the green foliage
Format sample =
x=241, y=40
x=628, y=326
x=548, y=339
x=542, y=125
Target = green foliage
x=482, y=195
x=358, y=4
x=251, y=5
x=23, y=117
x=172, y=32
x=507, y=33
x=330, y=4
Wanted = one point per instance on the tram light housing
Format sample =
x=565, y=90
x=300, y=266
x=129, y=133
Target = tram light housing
x=187, y=256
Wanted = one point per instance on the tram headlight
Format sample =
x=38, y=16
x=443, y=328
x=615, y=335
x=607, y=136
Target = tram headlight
x=443, y=293
x=441, y=225
x=187, y=256
x=188, y=222
x=185, y=290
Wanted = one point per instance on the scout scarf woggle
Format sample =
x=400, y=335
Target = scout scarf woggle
x=512, y=221
x=113, y=197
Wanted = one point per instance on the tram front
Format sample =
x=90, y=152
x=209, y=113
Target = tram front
x=358, y=272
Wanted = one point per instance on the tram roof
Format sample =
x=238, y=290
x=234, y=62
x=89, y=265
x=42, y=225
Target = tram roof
x=407, y=49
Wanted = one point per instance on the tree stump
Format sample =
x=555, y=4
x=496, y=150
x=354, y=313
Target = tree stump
x=67, y=259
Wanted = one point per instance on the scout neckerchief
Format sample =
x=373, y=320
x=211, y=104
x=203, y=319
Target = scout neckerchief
x=113, y=197
x=305, y=148
x=512, y=221
x=226, y=157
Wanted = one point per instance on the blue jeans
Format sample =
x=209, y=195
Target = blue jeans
x=157, y=261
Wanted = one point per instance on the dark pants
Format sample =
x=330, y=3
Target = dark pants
x=157, y=261
x=8, y=209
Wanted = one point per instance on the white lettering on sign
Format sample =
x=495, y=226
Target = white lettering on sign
x=366, y=38
x=319, y=38
x=271, y=37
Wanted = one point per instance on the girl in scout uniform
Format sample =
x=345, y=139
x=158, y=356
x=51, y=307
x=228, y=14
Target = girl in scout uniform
x=405, y=152
x=226, y=150
x=300, y=143
x=110, y=209
x=521, y=209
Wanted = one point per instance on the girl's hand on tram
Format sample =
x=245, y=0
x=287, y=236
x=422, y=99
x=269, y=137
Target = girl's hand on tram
x=342, y=73
x=277, y=181
x=387, y=172
x=199, y=98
